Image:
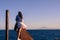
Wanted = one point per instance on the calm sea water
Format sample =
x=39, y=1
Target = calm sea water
x=36, y=34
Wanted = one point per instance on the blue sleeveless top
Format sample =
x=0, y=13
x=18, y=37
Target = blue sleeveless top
x=18, y=19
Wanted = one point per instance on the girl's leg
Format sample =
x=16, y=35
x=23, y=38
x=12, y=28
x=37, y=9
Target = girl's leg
x=19, y=33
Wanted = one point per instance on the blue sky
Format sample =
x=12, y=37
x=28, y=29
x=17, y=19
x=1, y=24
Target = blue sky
x=38, y=14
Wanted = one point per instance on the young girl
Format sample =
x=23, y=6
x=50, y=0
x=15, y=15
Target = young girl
x=19, y=23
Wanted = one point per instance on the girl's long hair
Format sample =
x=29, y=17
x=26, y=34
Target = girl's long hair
x=20, y=14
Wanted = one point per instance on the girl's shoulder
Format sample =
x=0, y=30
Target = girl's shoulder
x=16, y=15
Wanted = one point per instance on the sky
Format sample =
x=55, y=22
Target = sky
x=38, y=14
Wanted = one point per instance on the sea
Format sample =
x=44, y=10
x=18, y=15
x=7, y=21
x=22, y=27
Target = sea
x=36, y=34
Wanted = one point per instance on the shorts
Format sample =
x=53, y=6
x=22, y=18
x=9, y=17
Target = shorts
x=19, y=24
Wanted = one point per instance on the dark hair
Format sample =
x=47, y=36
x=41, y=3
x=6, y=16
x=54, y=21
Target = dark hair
x=20, y=14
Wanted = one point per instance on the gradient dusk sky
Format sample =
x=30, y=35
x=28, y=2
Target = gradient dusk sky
x=38, y=14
